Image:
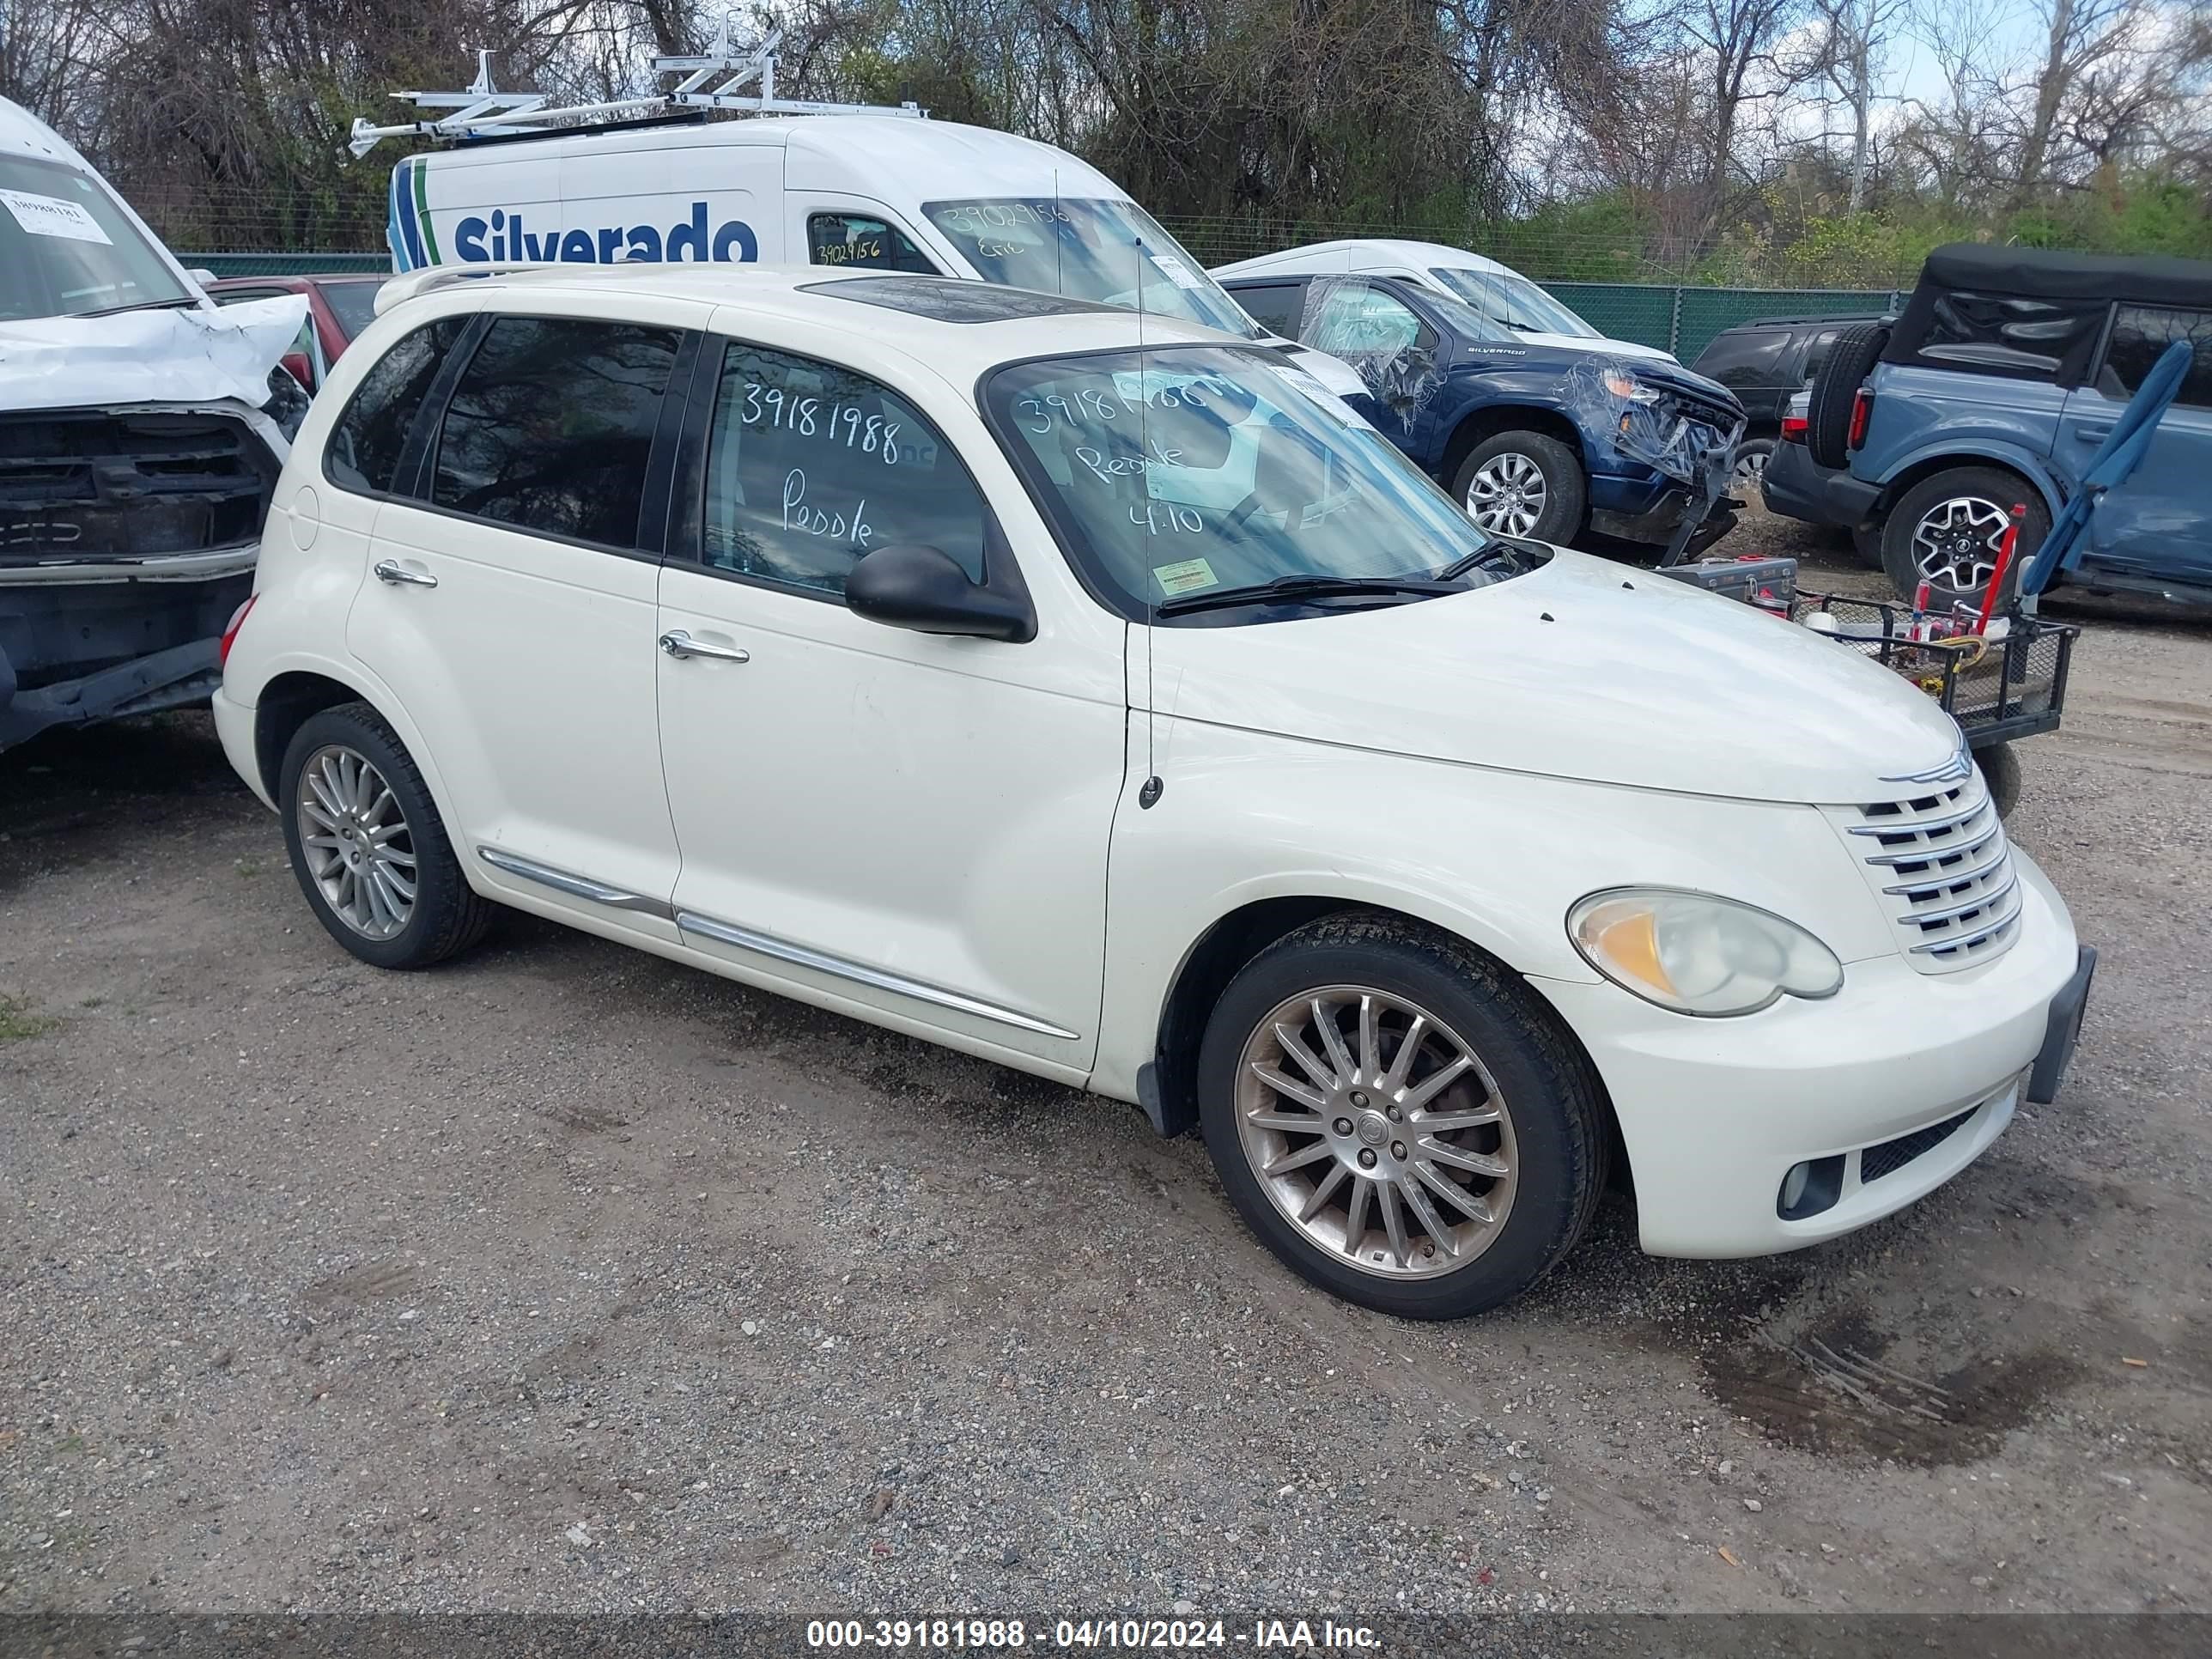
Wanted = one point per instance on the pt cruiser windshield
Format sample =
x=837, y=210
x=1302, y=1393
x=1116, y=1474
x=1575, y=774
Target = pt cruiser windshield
x=1110, y=251
x=1197, y=479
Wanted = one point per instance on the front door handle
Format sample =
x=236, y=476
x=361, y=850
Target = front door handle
x=391, y=571
x=679, y=645
x=2093, y=434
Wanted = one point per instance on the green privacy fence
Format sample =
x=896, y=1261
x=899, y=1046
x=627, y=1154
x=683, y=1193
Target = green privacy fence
x=1680, y=319
x=284, y=265
x=1683, y=320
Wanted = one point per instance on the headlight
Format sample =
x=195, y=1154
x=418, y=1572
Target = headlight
x=1622, y=384
x=1698, y=954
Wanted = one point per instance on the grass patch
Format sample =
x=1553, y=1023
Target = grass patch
x=18, y=1023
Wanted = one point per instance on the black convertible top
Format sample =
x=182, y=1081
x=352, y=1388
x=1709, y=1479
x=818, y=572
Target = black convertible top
x=2031, y=313
x=2044, y=274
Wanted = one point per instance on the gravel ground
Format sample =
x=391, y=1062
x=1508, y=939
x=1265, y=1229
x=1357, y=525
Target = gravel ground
x=565, y=1279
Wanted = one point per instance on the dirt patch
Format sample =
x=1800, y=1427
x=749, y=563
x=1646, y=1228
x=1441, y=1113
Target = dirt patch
x=1831, y=1389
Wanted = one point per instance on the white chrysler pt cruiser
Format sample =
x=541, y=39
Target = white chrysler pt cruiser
x=1098, y=694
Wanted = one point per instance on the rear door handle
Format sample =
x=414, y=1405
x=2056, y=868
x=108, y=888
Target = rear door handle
x=391, y=571
x=2093, y=434
x=679, y=645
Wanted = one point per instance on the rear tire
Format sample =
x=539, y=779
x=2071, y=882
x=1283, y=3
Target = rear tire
x=1433, y=1188
x=1749, y=472
x=1523, y=484
x=367, y=847
x=1828, y=410
x=1946, y=529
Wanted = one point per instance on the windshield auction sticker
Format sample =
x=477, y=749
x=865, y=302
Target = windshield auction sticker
x=53, y=215
x=1184, y=578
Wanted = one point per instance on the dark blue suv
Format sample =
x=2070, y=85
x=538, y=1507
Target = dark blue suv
x=1538, y=442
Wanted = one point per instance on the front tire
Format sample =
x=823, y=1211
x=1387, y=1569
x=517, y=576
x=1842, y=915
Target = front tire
x=1946, y=531
x=1523, y=484
x=367, y=847
x=1399, y=1119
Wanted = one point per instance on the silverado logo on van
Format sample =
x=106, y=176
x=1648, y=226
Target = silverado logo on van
x=505, y=237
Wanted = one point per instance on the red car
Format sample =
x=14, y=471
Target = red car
x=338, y=308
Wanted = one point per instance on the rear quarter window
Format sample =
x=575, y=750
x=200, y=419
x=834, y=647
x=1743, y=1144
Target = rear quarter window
x=365, y=445
x=2019, y=338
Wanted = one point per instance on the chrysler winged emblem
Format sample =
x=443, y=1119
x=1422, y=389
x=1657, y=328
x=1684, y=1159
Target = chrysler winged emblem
x=1960, y=765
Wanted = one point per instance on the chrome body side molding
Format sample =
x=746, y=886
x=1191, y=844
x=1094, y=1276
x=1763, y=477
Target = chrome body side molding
x=859, y=973
x=583, y=887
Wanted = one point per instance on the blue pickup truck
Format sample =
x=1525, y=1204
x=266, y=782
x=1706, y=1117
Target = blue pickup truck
x=1542, y=441
x=1993, y=387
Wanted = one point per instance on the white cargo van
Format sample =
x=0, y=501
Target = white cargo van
x=885, y=192
x=1500, y=293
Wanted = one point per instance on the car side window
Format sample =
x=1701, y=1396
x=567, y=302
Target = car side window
x=2005, y=334
x=810, y=466
x=1276, y=306
x=1357, y=321
x=365, y=445
x=550, y=427
x=858, y=241
x=1751, y=358
x=2140, y=333
x=1816, y=353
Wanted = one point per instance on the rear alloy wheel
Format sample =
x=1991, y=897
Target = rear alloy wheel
x=1523, y=484
x=1946, y=530
x=367, y=845
x=1749, y=472
x=1397, y=1119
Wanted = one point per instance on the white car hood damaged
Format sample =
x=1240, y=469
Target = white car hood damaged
x=1609, y=347
x=188, y=355
x=1584, y=669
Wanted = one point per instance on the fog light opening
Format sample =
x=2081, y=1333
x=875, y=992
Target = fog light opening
x=1810, y=1187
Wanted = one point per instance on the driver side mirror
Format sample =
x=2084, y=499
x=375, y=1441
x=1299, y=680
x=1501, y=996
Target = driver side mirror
x=911, y=585
x=296, y=364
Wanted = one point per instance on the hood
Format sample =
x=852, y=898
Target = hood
x=1613, y=348
x=1584, y=669
x=191, y=354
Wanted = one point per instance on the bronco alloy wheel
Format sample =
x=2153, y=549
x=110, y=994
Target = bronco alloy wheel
x=1946, y=529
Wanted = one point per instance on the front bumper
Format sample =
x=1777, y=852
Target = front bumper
x=1798, y=486
x=1634, y=512
x=1715, y=1112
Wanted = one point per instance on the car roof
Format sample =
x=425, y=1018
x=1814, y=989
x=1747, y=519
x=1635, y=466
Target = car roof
x=1322, y=258
x=925, y=161
x=882, y=306
x=1802, y=319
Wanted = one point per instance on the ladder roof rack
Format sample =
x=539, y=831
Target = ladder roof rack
x=712, y=79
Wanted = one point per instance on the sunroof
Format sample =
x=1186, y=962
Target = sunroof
x=946, y=300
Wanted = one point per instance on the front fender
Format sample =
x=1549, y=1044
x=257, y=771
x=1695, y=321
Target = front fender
x=1494, y=858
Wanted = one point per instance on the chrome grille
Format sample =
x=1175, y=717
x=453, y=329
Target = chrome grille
x=1942, y=872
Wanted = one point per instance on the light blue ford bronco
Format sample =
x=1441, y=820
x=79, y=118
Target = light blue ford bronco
x=1993, y=387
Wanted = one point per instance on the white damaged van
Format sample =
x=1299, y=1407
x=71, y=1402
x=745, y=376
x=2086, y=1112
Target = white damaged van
x=870, y=192
x=142, y=429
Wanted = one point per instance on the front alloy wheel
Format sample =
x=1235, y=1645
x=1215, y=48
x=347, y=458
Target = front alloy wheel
x=1377, y=1131
x=355, y=843
x=1507, y=495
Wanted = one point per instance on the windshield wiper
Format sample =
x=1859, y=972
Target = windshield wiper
x=140, y=305
x=1305, y=588
x=1492, y=551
